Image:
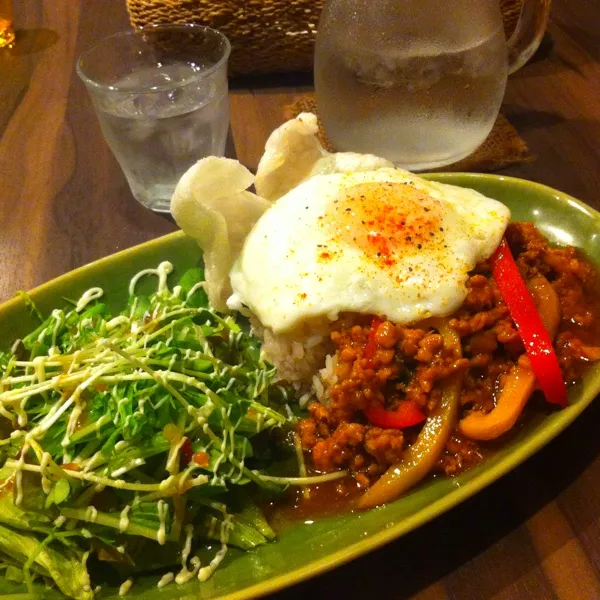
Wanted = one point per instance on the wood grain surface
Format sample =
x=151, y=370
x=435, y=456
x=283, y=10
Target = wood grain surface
x=64, y=202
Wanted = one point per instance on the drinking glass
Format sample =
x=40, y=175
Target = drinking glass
x=161, y=97
x=7, y=33
x=418, y=82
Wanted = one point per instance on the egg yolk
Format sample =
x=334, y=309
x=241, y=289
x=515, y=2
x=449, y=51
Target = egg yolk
x=385, y=221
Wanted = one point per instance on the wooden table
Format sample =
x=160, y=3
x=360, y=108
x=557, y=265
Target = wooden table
x=64, y=202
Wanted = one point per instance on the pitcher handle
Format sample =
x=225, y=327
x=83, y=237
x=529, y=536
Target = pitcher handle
x=528, y=33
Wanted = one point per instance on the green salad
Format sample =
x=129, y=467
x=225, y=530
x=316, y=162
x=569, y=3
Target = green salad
x=143, y=441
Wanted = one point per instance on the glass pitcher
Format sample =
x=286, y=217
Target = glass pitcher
x=418, y=82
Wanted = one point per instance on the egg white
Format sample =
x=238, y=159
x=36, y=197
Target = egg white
x=301, y=260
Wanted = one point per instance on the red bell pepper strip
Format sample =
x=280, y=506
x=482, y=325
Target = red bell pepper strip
x=371, y=345
x=186, y=452
x=407, y=414
x=524, y=313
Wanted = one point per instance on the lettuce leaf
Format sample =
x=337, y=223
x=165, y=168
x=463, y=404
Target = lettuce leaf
x=65, y=566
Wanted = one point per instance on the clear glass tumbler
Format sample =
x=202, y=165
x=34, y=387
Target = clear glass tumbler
x=7, y=33
x=418, y=82
x=161, y=97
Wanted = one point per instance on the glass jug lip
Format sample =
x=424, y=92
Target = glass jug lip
x=82, y=68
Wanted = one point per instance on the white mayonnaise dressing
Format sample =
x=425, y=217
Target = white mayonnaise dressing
x=241, y=467
x=101, y=422
x=195, y=288
x=184, y=575
x=259, y=421
x=161, y=536
x=165, y=580
x=166, y=483
x=181, y=482
x=73, y=419
x=90, y=514
x=19, y=475
x=162, y=272
x=89, y=296
x=116, y=322
x=125, y=587
x=60, y=521
x=38, y=367
x=207, y=571
x=187, y=546
x=59, y=317
x=133, y=308
x=122, y=402
x=21, y=413
x=46, y=483
x=92, y=461
x=132, y=464
x=124, y=519
x=173, y=462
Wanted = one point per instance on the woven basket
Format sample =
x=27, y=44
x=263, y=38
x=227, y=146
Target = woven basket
x=266, y=35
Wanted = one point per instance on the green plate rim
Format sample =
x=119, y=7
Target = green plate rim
x=92, y=266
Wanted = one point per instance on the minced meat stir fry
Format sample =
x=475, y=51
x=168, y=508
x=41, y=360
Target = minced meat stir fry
x=381, y=365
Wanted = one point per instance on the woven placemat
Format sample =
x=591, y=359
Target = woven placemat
x=503, y=146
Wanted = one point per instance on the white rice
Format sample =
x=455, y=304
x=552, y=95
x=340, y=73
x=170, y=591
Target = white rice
x=303, y=358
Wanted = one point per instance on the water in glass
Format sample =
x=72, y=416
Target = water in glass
x=419, y=82
x=160, y=94
x=157, y=135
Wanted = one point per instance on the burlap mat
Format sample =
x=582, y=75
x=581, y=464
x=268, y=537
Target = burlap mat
x=503, y=147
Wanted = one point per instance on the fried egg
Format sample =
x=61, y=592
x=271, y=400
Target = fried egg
x=382, y=242
x=328, y=233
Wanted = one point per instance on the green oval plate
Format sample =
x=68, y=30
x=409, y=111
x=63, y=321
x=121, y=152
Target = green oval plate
x=306, y=550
